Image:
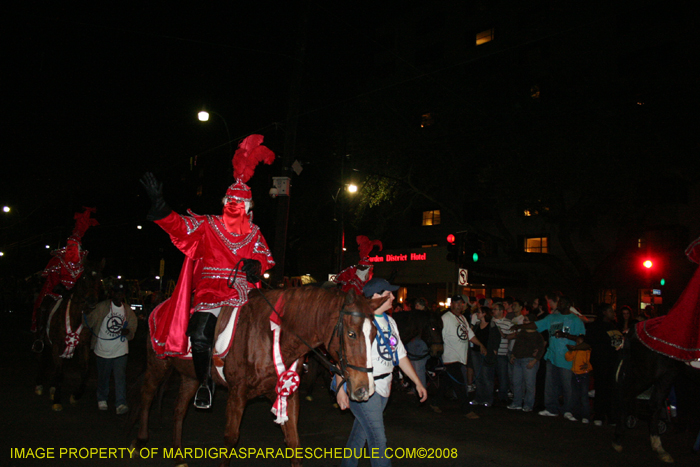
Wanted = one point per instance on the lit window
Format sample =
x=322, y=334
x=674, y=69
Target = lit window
x=431, y=217
x=426, y=120
x=536, y=245
x=484, y=36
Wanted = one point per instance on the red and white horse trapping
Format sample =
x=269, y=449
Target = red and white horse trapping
x=287, y=379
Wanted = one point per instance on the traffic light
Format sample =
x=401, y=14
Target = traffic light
x=662, y=282
x=472, y=248
x=451, y=248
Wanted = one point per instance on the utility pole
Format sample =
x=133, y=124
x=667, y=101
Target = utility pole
x=280, y=248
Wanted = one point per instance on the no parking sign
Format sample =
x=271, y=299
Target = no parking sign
x=463, y=277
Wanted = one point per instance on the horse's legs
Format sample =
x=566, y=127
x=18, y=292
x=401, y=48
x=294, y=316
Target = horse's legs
x=291, y=434
x=83, y=354
x=188, y=388
x=657, y=401
x=235, y=404
x=155, y=372
x=43, y=365
x=56, y=379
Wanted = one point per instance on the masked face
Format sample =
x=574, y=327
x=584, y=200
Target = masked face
x=236, y=218
x=72, y=252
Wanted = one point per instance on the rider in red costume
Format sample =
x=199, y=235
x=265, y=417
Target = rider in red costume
x=355, y=277
x=224, y=257
x=63, y=270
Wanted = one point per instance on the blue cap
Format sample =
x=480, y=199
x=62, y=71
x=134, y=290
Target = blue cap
x=378, y=285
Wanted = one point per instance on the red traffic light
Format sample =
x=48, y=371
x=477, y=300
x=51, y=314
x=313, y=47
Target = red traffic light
x=451, y=239
x=647, y=264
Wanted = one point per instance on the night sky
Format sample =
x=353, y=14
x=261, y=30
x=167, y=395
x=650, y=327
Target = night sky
x=95, y=96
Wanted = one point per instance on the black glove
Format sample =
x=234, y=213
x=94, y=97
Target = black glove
x=154, y=189
x=60, y=289
x=252, y=269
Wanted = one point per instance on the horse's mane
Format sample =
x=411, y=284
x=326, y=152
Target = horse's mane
x=307, y=306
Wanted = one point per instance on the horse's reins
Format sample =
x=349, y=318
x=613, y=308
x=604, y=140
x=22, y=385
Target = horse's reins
x=338, y=328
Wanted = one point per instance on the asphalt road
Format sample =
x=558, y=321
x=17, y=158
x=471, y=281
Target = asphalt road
x=499, y=438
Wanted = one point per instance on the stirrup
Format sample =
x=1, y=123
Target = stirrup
x=203, y=397
x=38, y=346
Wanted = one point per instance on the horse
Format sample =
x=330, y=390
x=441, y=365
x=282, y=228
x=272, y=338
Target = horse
x=311, y=316
x=423, y=325
x=66, y=337
x=640, y=369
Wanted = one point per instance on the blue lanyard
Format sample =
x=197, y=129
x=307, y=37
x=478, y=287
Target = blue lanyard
x=386, y=341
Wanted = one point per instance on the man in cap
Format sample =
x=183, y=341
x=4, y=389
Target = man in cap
x=456, y=335
x=224, y=256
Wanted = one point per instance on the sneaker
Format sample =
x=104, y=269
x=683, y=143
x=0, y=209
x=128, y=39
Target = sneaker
x=472, y=416
x=598, y=422
x=584, y=420
x=514, y=407
x=527, y=409
x=485, y=404
x=569, y=416
x=122, y=409
x=547, y=413
x=102, y=405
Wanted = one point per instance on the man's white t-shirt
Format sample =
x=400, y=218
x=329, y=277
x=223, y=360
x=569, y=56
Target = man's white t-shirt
x=456, y=334
x=110, y=343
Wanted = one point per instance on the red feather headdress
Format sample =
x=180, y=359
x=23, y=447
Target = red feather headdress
x=249, y=154
x=366, y=245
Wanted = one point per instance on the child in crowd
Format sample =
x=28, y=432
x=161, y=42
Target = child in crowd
x=580, y=355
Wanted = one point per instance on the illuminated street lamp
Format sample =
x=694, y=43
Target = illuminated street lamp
x=6, y=209
x=203, y=116
x=352, y=188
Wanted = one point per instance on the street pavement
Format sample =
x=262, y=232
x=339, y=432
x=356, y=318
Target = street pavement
x=499, y=438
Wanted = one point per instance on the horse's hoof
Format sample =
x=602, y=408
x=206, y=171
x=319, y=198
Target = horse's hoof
x=666, y=457
x=57, y=407
x=39, y=390
x=73, y=400
x=617, y=447
x=52, y=391
x=181, y=465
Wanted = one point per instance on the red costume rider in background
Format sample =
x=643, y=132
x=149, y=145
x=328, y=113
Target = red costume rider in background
x=224, y=256
x=62, y=271
x=355, y=277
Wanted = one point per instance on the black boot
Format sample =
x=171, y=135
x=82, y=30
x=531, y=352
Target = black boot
x=201, y=332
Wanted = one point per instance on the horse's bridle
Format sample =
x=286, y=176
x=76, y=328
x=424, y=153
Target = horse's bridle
x=338, y=329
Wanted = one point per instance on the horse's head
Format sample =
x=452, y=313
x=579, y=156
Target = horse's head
x=353, y=348
x=86, y=292
x=433, y=335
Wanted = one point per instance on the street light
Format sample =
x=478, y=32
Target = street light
x=203, y=116
x=6, y=209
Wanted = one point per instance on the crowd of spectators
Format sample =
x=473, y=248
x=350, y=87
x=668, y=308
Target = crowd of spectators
x=540, y=356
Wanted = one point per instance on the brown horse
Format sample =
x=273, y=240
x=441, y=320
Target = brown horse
x=66, y=337
x=318, y=316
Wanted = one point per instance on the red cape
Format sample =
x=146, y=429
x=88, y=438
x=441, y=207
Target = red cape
x=677, y=334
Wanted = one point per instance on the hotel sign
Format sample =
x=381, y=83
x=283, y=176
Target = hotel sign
x=388, y=258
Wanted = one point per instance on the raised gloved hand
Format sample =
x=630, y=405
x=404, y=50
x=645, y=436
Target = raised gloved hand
x=154, y=189
x=252, y=269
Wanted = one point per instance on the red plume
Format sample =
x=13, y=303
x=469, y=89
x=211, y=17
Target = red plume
x=250, y=152
x=366, y=245
x=83, y=222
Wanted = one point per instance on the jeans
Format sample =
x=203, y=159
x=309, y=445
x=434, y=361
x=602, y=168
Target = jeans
x=524, y=382
x=503, y=382
x=484, y=376
x=105, y=368
x=417, y=348
x=581, y=407
x=455, y=380
x=557, y=380
x=368, y=428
